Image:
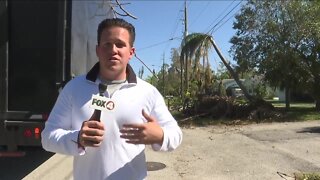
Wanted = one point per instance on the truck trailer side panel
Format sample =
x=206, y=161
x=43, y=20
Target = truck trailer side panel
x=33, y=58
x=43, y=44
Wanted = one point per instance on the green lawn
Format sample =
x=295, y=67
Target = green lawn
x=307, y=176
x=293, y=105
x=299, y=111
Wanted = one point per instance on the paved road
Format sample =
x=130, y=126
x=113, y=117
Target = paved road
x=243, y=152
x=258, y=151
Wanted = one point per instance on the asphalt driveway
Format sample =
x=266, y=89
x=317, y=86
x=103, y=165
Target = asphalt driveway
x=257, y=151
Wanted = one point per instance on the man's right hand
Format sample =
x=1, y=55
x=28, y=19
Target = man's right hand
x=91, y=134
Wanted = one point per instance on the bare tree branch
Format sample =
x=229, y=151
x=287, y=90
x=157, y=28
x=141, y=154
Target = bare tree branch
x=126, y=13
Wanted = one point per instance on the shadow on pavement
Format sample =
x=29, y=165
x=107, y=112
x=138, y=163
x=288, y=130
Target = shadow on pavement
x=155, y=166
x=18, y=167
x=310, y=130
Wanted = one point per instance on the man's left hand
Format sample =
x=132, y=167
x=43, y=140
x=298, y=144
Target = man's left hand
x=146, y=133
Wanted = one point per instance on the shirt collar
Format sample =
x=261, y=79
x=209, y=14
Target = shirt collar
x=92, y=75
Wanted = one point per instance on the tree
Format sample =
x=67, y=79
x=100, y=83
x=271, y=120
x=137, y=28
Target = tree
x=174, y=72
x=280, y=40
x=197, y=43
x=168, y=75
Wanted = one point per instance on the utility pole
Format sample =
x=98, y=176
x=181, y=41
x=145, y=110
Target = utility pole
x=163, y=85
x=185, y=19
x=185, y=35
x=186, y=59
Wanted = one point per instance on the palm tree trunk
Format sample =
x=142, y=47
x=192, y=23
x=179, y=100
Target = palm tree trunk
x=181, y=77
x=233, y=73
x=187, y=77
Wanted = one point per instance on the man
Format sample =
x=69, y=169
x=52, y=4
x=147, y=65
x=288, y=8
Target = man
x=112, y=148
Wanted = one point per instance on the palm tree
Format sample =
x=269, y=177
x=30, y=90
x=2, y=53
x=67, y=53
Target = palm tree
x=199, y=44
x=190, y=49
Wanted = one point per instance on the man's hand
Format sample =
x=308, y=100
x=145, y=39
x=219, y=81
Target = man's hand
x=91, y=134
x=146, y=133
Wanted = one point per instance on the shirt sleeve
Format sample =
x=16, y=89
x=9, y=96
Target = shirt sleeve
x=172, y=134
x=58, y=135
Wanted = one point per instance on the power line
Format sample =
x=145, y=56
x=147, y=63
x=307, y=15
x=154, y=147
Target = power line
x=211, y=30
x=175, y=27
x=162, y=42
x=219, y=16
x=157, y=44
x=135, y=55
x=225, y=22
x=203, y=9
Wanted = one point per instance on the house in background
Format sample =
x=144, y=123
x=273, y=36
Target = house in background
x=280, y=95
x=232, y=88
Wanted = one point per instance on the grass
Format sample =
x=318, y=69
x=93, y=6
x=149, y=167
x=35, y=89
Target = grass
x=293, y=105
x=307, y=176
x=299, y=111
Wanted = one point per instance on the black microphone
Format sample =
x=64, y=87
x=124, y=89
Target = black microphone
x=97, y=113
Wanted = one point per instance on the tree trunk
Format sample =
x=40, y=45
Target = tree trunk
x=219, y=88
x=318, y=104
x=316, y=91
x=287, y=94
x=233, y=73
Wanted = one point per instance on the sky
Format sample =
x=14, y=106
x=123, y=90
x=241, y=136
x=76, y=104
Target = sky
x=160, y=27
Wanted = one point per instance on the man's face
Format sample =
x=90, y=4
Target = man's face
x=114, y=53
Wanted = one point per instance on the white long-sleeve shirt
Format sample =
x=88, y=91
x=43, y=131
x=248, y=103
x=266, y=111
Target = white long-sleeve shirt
x=114, y=159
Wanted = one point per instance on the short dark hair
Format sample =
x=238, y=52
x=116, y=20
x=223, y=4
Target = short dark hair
x=117, y=22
